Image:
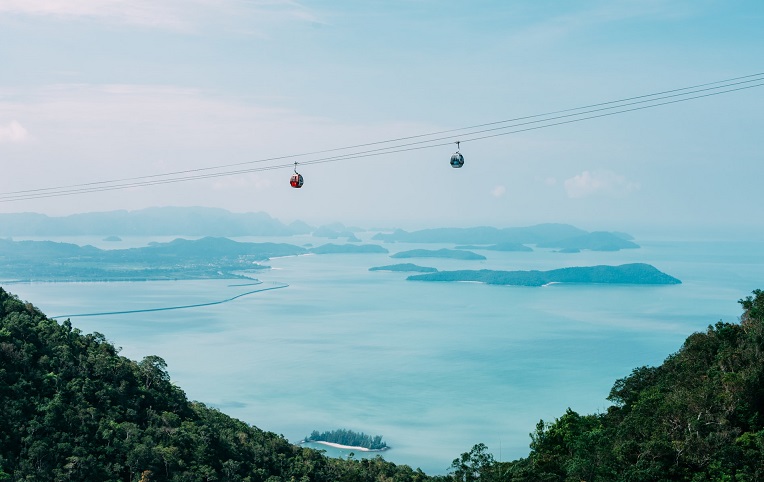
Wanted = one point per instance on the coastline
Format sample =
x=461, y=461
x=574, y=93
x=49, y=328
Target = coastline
x=347, y=447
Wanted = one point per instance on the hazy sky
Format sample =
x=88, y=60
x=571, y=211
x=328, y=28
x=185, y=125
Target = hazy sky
x=94, y=90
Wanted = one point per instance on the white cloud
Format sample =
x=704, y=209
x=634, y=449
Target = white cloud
x=604, y=182
x=13, y=132
x=167, y=14
x=128, y=11
x=498, y=191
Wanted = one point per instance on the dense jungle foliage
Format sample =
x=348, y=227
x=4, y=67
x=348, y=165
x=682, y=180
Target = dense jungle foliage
x=697, y=417
x=73, y=409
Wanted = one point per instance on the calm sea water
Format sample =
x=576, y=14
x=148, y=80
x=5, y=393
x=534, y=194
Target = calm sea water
x=433, y=367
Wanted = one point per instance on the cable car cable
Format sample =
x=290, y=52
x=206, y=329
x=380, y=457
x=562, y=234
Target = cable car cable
x=621, y=101
x=7, y=198
x=90, y=187
x=415, y=136
x=431, y=134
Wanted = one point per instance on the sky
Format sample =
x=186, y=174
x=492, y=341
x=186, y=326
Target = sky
x=101, y=90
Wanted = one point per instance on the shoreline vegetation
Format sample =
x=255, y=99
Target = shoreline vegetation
x=348, y=439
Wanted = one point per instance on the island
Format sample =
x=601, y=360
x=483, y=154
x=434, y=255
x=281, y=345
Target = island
x=634, y=273
x=439, y=253
x=498, y=247
x=335, y=231
x=596, y=241
x=112, y=239
x=348, y=249
x=205, y=258
x=484, y=234
x=550, y=235
x=347, y=439
x=405, y=267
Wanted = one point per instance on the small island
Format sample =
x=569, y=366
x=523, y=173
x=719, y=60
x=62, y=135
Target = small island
x=112, y=239
x=335, y=231
x=347, y=439
x=555, y=236
x=498, y=247
x=348, y=249
x=634, y=273
x=439, y=253
x=405, y=267
x=595, y=241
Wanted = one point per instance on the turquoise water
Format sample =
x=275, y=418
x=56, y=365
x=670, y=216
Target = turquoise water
x=433, y=367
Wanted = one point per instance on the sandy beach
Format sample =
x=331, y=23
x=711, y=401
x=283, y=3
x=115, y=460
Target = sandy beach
x=348, y=447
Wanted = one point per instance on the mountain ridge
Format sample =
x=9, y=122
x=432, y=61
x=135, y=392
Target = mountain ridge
x=169, y=220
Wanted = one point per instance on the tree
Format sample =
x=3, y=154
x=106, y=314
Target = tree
x=474, y=465
x=753, y=306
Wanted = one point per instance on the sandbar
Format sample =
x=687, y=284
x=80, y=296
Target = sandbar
x=349, y=447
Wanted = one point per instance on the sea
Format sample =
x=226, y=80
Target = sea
x=322, y=343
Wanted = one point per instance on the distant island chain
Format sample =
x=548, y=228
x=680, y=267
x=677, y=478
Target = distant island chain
x=219, y=257
x=223, y=258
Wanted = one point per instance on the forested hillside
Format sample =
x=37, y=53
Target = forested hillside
x=73, y=409
x=697, y=417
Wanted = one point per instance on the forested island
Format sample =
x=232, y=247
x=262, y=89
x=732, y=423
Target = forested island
x=74, y=409
x=635, y=273
x=349, y=439
x=205, y=258
x=595, y=241
x=439, y=253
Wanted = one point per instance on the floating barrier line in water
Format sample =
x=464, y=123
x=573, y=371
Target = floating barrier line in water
x=257, y=282
x=284, y=285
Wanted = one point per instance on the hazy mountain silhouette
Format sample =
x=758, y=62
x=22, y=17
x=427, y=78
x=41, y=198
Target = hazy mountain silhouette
x=187, y=221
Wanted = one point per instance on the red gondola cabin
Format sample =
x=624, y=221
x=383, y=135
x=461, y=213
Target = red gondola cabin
x=296, y=180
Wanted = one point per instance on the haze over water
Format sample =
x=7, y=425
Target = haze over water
x=433, y=367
